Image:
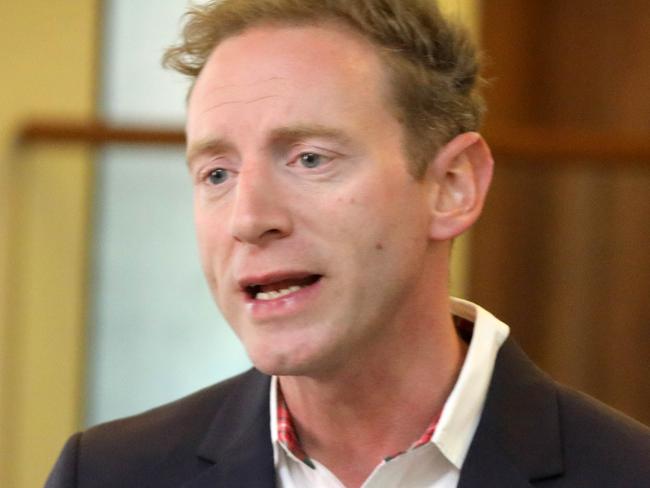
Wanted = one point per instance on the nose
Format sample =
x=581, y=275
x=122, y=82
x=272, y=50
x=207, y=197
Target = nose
x=260, y=213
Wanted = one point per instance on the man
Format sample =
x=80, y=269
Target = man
x=334, y=157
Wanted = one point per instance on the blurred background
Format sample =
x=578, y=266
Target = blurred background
x=103, y=309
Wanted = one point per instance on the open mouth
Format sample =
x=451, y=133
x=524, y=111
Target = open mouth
x=279, y=289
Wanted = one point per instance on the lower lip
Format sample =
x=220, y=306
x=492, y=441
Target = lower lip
x=283, y=306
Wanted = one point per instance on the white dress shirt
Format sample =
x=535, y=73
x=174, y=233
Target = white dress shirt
x=433, y=465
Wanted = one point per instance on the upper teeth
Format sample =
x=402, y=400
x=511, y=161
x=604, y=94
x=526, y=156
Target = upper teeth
x=272, y=295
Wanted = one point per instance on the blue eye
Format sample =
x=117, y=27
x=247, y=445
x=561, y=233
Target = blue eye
x=217, y=176
x=311, y=160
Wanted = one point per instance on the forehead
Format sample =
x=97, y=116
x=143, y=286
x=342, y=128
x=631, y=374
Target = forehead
x=273, y=61
x=335, y=44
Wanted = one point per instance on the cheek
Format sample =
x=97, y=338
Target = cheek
x=210, y=225
x=363, y=220
x=390, y=228
x=204, y=237
x=211, y=245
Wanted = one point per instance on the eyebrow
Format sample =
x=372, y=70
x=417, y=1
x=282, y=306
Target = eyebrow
x=307, y=131
x=206, y=146
x=280, y=135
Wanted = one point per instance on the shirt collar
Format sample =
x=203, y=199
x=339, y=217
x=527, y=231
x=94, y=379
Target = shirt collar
x=462, y=409
x=273, y=398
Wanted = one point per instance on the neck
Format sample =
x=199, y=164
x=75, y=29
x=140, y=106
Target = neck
x=381, y=402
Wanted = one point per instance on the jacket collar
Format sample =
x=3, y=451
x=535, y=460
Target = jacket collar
x=238, y=442
x=518, y=439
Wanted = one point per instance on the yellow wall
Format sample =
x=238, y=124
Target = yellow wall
x=47, y=54
x=466, y=12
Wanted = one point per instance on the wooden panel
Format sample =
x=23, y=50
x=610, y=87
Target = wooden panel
x=561, y=251
x=96, y=132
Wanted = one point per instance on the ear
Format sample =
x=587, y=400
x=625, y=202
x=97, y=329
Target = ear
x=461, y=173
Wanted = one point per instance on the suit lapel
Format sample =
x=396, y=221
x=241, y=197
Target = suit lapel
x=518, y=439
x=492, y=468
x=238, y=442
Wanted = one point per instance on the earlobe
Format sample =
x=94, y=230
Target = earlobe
x=462, y=172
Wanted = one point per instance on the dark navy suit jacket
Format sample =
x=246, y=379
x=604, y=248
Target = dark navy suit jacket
x=533, y=432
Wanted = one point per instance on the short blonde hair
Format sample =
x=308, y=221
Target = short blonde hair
x=431, y=63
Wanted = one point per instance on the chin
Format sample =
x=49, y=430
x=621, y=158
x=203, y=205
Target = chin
x=279, y=368
x=282, y=363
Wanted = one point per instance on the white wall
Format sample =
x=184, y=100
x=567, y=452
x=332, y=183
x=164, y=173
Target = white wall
x=155, y=333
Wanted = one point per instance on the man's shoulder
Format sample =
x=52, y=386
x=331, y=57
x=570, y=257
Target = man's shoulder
x=186, y=417
x=163, y=445
x=593, y=430
x=552, y=432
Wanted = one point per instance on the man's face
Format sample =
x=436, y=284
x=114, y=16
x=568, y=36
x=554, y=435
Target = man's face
x=313, y=234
